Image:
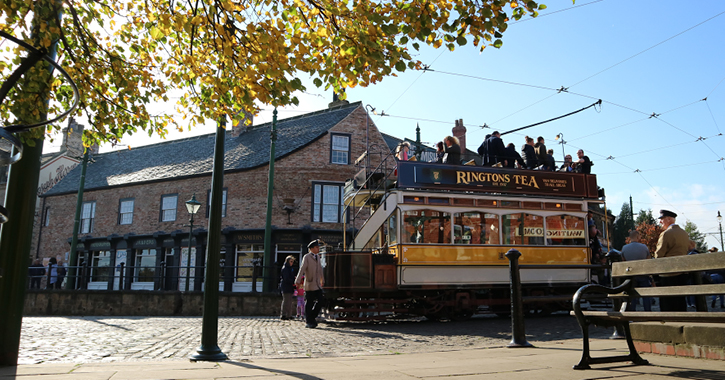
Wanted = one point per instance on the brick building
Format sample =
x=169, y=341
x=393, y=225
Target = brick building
x=134, y=225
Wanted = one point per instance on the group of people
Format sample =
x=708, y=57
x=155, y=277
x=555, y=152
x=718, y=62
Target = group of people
x=307, y=283
x=533, y=156
x=56, y=274
x=673, y=241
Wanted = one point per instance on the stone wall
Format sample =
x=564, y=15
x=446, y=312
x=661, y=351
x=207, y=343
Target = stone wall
x=695, y=340
x=145, y=303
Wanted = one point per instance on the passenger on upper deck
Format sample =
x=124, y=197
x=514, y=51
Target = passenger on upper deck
x=540, y=150
x=483, y=149
x=440, y=152
x=453, y=151
x=529, y=154
x=584, y=165
x=550, y=161
x=401, y=152
x=513, y=158
x=495, y=150
x=567, y=166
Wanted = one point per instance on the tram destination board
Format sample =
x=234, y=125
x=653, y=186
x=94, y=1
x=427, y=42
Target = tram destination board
x=495, y=180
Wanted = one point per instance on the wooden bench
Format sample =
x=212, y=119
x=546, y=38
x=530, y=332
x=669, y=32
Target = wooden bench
x=625, y=271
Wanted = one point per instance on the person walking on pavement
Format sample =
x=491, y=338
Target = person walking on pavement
x=674, y=241
x=637, y=251
x=36, y=273
x=311, y=273
x=287, y=288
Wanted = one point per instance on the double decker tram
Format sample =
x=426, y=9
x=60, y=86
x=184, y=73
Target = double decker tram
x=434, y=239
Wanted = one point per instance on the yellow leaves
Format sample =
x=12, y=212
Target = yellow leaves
x=514, y=5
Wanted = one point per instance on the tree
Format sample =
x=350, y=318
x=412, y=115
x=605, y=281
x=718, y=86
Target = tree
x=622, y=225
x=645, y=216
x=220, y=57
x=696, y=236
x=649, y=234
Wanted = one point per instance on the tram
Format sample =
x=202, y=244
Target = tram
x=434, y=239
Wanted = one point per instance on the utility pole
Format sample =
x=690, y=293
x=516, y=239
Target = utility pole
x=631, y=212
x=267, y=263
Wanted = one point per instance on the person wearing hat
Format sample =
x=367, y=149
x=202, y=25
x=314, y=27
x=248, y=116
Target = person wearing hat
x=674, y=241
x=311, y=273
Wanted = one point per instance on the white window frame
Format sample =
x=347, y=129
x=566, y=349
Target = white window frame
x=340, y=149
x=168, y=214
x=88, y=214
x=322, y=211
x=125, y=214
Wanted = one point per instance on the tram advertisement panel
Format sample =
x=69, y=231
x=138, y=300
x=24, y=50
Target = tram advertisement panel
x=487, y=179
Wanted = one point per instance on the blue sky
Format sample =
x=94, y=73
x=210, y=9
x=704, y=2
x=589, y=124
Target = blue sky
x=640, y=57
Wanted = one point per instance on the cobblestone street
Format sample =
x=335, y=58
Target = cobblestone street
x=102, y=339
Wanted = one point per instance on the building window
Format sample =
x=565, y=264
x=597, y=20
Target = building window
x=168, y=207
x=327, y=202
x=88, y=213
x=46, y=217
x=100, y=266
x=145, y=265
x=340, y=149
x=125, y=211
x=224, y=203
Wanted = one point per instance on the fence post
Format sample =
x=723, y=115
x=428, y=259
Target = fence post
x=121, y=273
x=518, y=332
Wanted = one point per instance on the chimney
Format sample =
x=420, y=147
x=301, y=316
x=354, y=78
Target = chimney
x=336, y=102
x=73, y=140
x=459, y=131
x=240, y=126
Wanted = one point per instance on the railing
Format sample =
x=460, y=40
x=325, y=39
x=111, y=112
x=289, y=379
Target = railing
x=160, y=278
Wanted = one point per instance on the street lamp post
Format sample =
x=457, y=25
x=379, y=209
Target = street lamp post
x=719, y=220
x=192, y=206
x=562, y=142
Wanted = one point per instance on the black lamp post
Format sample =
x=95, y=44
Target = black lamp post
x=192, y=206
x=719, y=220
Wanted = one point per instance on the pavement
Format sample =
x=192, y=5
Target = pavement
x=265, y=347
x=549, y=361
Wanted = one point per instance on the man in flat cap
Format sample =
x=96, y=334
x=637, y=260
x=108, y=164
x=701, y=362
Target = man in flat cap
x=311, y=273
x=674, y=241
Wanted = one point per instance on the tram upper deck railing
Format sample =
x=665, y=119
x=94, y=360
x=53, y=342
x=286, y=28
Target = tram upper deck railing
x=465, y=178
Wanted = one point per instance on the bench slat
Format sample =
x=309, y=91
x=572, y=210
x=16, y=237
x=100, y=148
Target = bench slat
x=689, y=290
x=669, y=316
x=668, y=265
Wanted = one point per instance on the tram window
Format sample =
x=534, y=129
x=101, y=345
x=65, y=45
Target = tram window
x=523, y=229
x=572, y=207
x=532, y=205
x=408, y=199
x=438, y=201
x=463, y=201
x=426, y=226
x=565, y=230
x=476, y=228
x=487, y=202
x=393, y=229
x=510, y=204
x=552, y=206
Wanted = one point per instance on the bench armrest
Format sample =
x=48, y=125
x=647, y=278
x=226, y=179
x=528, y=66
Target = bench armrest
x=594, y=288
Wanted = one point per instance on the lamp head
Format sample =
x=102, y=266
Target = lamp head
x=192, y=205
x=719, y=217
